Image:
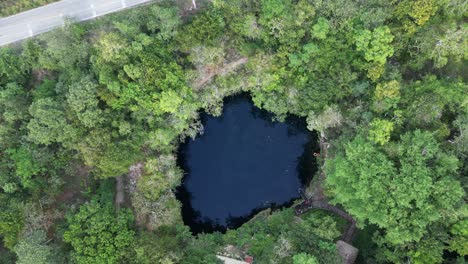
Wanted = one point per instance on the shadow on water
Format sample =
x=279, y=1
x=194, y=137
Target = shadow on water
x=199, y=224
x=307, y=162
x=305, y=166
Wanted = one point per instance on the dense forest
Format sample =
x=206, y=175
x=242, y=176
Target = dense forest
x=91, y=107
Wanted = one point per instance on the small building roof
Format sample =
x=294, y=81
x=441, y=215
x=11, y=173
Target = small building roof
x=347, y=252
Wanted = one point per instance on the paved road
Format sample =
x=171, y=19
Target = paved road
x=46, y=18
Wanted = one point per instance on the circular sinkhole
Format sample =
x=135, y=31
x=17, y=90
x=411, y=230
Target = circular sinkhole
x=243, y=163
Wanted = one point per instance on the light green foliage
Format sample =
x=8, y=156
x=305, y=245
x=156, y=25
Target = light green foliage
x=380, y=131
x=170, y=101
x=376, y=46
x=321, y=28
x=420, y=191
x=33, y=249
x=98, y=234
x=415, y=14
x=387, y=96
x=304, y=258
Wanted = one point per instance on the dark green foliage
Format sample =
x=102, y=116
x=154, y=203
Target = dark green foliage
x=279, y=236
x=204, y=29
x=165, y=245
x=11, y=220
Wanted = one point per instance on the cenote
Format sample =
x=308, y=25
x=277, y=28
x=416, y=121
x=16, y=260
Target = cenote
x=243, y=163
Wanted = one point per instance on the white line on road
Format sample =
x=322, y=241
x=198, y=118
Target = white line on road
x=37, y=21
x=30, y=31
x=94, y=11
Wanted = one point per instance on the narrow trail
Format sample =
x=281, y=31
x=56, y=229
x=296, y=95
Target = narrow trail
x=223, y=70
x=319, y=201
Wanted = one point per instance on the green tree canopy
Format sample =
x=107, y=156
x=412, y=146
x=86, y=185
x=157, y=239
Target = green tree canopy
x=402, y=194
x=33, y=249
x=98, y=234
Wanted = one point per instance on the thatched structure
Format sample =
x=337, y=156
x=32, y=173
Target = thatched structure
x=227, y=260
x=347, y=252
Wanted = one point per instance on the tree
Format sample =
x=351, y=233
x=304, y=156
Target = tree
x=403, y=196
x=49, y=123
x=160, y=176
x=376, y=46
x=170, y=101
x=11, y=220
x=98, y=234
x=65, y=49
x=25, y=165
x=13, y=111
x=167, y=244
x=386, y=96
x=166, y=20
x=414, y=14
x=12, y=67
x=453, y=44
x=81, y=99
x=459, y=240
x=329, y=118
x=380, y=131
x=33, y=249
x=321, y=28
x=205, y=28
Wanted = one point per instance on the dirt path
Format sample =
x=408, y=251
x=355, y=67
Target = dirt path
x=222, y=71
x=119, y=192
x=319, y=200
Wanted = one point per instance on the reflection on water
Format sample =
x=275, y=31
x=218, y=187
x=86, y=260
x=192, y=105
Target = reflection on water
x=243, y=163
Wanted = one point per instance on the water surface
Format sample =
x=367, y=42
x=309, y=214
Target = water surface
x=242, y=163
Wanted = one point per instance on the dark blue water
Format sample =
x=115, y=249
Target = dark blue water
x=242, y=163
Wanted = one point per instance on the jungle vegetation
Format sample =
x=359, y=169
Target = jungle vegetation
x=382, y=81
x=11, y=7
